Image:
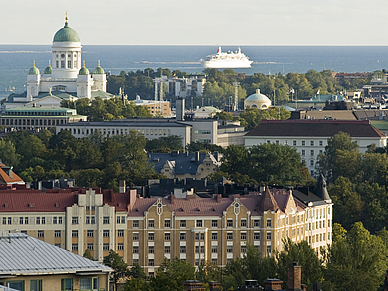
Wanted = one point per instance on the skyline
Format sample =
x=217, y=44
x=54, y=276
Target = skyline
x=151, y=22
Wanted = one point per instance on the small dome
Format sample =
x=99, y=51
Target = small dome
x=84, y=70
x=99, y=70
x=34, y=70
x=258, y=96
x=66, y=34
x=48, y=70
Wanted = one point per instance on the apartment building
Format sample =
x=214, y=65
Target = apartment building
x=145, y=230
x=309, y=137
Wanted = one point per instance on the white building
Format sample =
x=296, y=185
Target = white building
x=309, y=137
x=185, y=87
x=65, y=73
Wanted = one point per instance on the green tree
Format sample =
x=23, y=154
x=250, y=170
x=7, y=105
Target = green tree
x=87, y=254
x=8, y=153
x=120, y=268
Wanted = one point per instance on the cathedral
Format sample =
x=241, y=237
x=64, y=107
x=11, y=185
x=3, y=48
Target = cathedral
x=65, y=78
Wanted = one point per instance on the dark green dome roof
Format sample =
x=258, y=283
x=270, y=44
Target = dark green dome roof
x=99, y=70
x=66, y=34
x=84, y=70
x=34, y=70
x=48, y=70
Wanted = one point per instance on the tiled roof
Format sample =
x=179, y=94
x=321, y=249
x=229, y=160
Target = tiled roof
x=315, y=128
x=23, y=254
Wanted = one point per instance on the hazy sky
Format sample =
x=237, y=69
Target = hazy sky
x=199, y=22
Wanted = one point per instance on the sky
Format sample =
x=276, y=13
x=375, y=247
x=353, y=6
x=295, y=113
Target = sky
x=199, y=22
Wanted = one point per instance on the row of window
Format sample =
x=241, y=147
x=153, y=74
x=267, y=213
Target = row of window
x=88, y=131
x=38, y=220
x=200, y=223
x=89, y=233
x=10, y=121
x=294, y=142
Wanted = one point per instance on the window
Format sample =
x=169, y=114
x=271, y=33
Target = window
x=182, y=236
x=198, y=223
x=151, y=262
x=37, y=220
x=151, y=223
x=229, y=223
x=123, y=219
x=214, y=236
x=229, y=249
x=90, y=247
x=256, y=223
x=182, y=223
x=243, y=223
x=269, y=222
x=43, y=220
x=4, y=220
x=87, y=219
x=135, y=236
x=21, y=220
x=57, y=233
x=151, y=249
x=256, y=235
x=311, y=162
x=60, y=220
x=202, y=249
x=135, y=223
x=182, y=249
x=167, y=250
x=35, y=285
x=105, y=247
x=214, y=223
x=118, y=219
x=89, y=284
x=167, y=223
x=243, y=249
x=311, y=152
x=120, y=232
x=243, y=236
x=269, y=235
x=294, y=142
x=197, y=236
x=320, y=143
x=312, y=143
x=269, y=250
x=214, y=249
x=55, y=220
x=74, y=247
x=105, y=220
x=303, y=143
x=135, y=250
x=151, y=236
x=202, y=236
x=67, y=284
x=229, y=236
x=74, y=220
x=197, y=249
x=167, y=236
x=74, y=233
x=303, y=152
x=40, y=233
x=90, y=233
x=105, y=233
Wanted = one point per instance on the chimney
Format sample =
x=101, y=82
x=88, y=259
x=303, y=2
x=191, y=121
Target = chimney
x=122, y=186
x=294, y=277
x=272, y=284
x=180, y=109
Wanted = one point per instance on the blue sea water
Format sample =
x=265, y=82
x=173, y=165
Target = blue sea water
x=16, y=60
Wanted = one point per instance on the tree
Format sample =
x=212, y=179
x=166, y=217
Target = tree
x=87, y=254
x=8, y=153
x=356, y=260
x=120, y=268
x=169, y=143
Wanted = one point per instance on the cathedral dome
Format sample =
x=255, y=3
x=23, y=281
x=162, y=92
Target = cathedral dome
x=66, y=34
x=48, y=70
x=34, y=70
x=84, y=70
x=99, y=70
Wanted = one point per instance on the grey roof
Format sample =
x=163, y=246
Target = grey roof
x=23, y=254
x=3, y=288
x=180, y=163
x=306, y=196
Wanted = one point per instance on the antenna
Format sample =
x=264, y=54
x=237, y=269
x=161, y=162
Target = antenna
x=236, y=84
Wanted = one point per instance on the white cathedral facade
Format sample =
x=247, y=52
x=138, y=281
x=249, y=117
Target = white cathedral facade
x=66, y=77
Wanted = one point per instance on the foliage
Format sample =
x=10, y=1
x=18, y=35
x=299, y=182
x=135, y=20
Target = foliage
x=120, y=268
x=265, y=164
x=164, y=144
x=87, y=254
x=251, y=117
x=204, y=147
x=356, y=260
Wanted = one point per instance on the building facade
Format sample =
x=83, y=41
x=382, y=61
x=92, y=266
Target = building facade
x=309, y=137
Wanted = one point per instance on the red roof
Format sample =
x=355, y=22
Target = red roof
x=8, y=176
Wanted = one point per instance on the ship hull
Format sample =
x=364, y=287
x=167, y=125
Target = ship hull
x=227, y=64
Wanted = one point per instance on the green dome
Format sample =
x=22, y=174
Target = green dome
x=84, y=70
x=66, y=34
x=99, y=70
x=48, y=70
x=34, y=71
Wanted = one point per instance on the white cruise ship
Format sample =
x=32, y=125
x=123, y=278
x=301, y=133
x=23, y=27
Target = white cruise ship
x=225, y=60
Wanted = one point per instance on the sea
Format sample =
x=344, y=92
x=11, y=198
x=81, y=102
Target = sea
x=16, y=60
